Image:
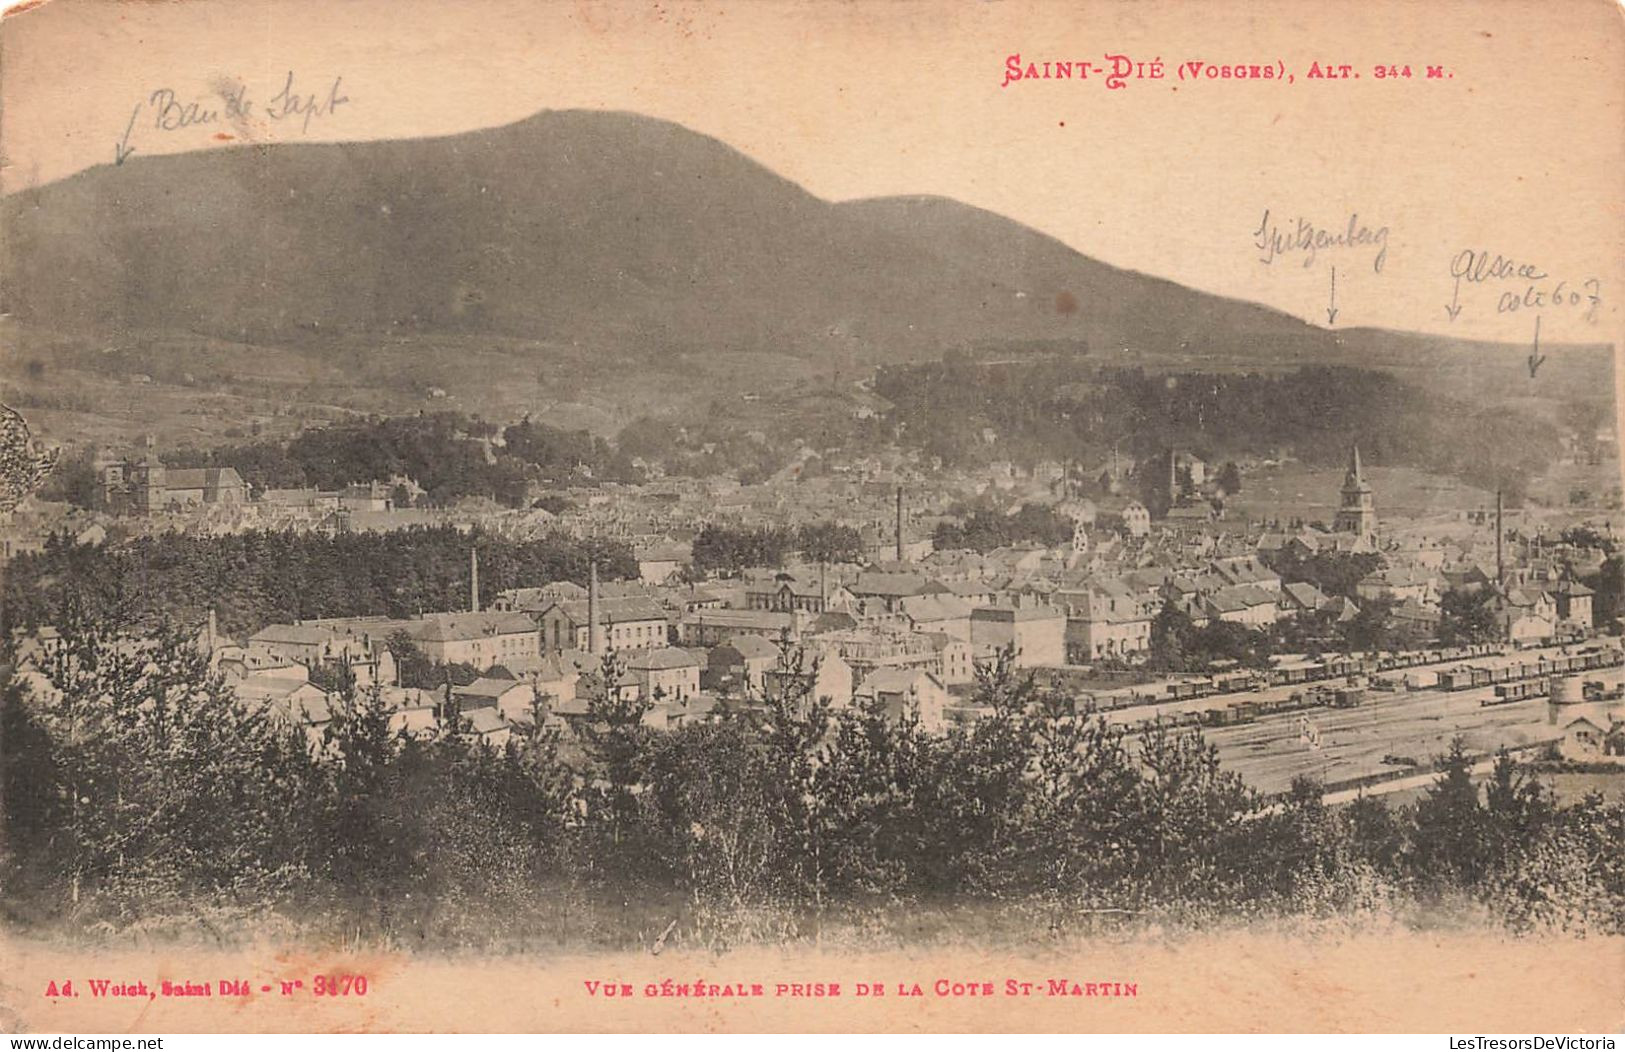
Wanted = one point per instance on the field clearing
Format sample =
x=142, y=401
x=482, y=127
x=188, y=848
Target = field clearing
x=188, y=389
x=1300, y=491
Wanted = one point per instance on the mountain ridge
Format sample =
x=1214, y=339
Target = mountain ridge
x=592, y=227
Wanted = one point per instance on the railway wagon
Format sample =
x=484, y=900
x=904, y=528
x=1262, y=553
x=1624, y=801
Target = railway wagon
x=1422, y=679
x=1506, y=693
x=1175, y=720
x=1459, y=678
x=1181, y=690
x=1347, y=697
x=1237, y=682
x=1230, y=715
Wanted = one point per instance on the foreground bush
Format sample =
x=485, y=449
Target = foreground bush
x=137, y=787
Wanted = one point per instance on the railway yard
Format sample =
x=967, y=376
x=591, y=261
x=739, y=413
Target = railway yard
x=1380, y=739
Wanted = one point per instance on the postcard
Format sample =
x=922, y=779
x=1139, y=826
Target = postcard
x=811, y=515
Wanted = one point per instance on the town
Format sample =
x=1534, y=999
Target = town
x=1345, y=646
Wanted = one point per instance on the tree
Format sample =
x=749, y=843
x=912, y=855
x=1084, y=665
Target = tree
x=371, y=839
x=985, y=529
x=1452, y=842
x=1334, y=573
x=73, y=480
x=412, y=666
x=829, y=542
x=1192, y=844
x=1468, y=617
x=614, y=736
x=978, y=807
x=1370, y=629
x=1230, y=478
x=1608, y=584
x=791, y=724
x=1172, y=632
x=161, y=783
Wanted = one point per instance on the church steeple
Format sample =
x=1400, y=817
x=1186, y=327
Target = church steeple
x=1355, y=479
x=1358, y=511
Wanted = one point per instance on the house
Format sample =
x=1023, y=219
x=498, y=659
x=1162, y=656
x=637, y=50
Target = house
x=974, y=592
x=1302, y=599
x=1399, y=583
x=1526, y=615
x=738, y=665
x=536, y=600
x=657, y=563
x=943, y=613
x=624, y=623
x=300, y=643
x=892, y=588
x=481, y=640
x=900, y=691
x=700, y=708
x=1592, y=731
x=708, y=628
x=1244, y=604
x=367, y=496
x=956, y=661
x=236, y=663
x=412, y=712
x=1106, y=618
x=513, y=699
x=785, y=592
x=831, y=678
x=1108, y=632
x=554, y=680
x=1038, y=633
x=692, y=598
x=1247, y=569
x=1017, y=558
x=1573, y=602
x=666, y=674
x=290, y=700
x=1417, y=619
x=15, y=542
x=317, y=645
x=1136, y=519
x=485, y=726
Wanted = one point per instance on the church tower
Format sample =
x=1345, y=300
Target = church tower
x=1358, y=513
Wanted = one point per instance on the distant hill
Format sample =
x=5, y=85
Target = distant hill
x=593, y=228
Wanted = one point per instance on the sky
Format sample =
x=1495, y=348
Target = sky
x=1517, y=153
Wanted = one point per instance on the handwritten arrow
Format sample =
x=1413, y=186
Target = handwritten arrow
x=1453, y=308
x=122, y=148
x=1535, y=357
x=1331, y=309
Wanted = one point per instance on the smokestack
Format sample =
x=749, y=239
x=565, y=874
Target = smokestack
x=1500, y=568
x=474, y=580
x=899, y=524
x=593, y=640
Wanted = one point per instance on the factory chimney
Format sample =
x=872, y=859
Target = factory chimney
x=474, y=580
x=1500, y=536
x=899, y=524
x=594, y=642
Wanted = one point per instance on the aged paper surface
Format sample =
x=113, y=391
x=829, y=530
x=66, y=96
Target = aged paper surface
x=658, y=516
